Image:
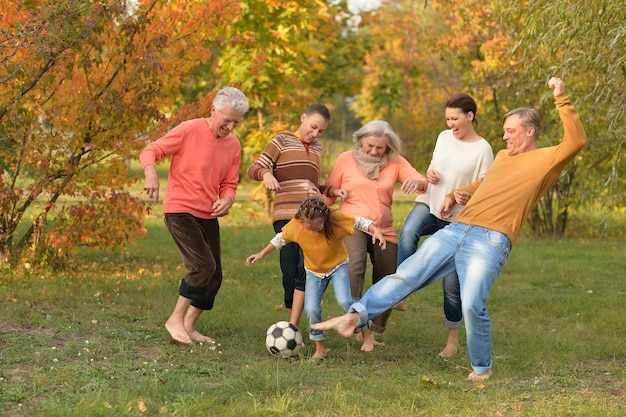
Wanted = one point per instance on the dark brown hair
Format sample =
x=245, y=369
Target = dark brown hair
x=314, y=208
x=465, y=103
x=320, y=109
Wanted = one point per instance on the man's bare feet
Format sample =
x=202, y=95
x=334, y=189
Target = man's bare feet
x=473, y=376
x=344, y=325
x=176, y=329
x=198, y=337
x=449, y=350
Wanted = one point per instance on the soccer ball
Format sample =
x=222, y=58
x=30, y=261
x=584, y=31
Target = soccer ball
x=283, y=339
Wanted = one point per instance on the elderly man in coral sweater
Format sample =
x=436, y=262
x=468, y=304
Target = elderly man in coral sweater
x=201, y=186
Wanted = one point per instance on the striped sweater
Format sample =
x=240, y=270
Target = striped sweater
x=295, y=165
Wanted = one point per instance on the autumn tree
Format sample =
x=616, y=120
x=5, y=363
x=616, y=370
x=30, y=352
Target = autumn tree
x=422, y=53
x=287, y=54
x=503, y=54
x=584, y=43
x=82, y=82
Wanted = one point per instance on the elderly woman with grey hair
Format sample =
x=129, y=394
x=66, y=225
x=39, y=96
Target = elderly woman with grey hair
x=365, y=179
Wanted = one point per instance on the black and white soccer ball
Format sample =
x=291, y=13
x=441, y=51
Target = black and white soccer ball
x=283, y=339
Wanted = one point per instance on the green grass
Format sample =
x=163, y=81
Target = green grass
x=88, y=340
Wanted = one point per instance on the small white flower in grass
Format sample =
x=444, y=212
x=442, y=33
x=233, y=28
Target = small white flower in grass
x=55, y=360
x=87, y=341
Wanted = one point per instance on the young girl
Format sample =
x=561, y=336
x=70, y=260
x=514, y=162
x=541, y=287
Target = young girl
x=320, y=231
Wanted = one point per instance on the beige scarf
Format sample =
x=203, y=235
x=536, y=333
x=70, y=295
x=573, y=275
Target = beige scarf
x=369, y=165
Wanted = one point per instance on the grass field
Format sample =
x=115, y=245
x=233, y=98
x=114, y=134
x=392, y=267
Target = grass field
x=88, y=340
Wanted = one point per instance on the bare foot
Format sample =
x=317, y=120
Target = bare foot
x=449, y=351
x=368, y=342
x=320, y=354
x=198, y=337
x=359, y=338
x=344, y=325
x=473, y=376
x=177, y=331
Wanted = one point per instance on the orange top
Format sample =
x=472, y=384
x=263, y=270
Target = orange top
x=502, y=200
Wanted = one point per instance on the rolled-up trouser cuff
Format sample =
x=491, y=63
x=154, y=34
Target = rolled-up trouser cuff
x=453, y=324
x=196, y=295
x=364, y=322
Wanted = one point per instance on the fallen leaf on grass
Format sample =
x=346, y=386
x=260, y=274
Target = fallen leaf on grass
x=428, y=381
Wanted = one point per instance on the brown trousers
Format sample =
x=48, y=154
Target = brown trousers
x=384, y=263
x=198, y=241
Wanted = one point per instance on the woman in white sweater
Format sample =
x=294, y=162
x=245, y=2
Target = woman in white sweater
x=461, y=156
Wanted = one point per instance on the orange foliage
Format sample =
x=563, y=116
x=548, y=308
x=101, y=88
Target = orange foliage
x=82, y=82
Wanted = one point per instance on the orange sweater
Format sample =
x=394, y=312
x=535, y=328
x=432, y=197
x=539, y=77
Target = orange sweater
x=512, y=186
x=321, y=256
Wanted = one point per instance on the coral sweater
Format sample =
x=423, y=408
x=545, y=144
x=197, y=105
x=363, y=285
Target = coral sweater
x=370, y=198
x=502, y=200
x=202, y=170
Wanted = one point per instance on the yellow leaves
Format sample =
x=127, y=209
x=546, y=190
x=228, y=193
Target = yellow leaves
x=281, y=32
x=425, y=380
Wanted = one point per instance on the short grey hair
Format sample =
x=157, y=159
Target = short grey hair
x=378, y=128
x=528, y=117
x=231, y=97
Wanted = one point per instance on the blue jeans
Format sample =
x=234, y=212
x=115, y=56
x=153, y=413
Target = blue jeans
x=421, y=222
x=476, y=253
x=315, y=288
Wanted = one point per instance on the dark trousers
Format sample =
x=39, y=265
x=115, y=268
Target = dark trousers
x=291, y=265
x=198, y=241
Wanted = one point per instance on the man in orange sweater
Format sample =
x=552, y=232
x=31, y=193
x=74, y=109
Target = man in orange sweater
x=478, y=243
x=201, y=186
